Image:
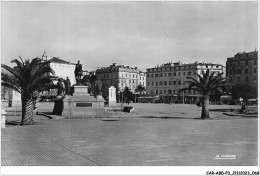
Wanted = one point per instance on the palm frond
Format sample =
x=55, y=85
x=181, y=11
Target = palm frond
x=10, y=79
x=41, y=72
x=14, y=73
x=43, y=65
x=11, y=86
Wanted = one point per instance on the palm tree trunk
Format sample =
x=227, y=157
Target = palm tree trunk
x=205, y=109
x=27, y=112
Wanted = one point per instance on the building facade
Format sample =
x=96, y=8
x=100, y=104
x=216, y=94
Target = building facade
x=120, y=76
x=243, y=68
x=63, y=69
x=166, y=80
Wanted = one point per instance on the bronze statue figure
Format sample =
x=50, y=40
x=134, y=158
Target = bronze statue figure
x=60, y=87
x=78, y=71
x=67, y=86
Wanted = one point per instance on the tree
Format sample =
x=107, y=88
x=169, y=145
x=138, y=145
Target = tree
x=128, y=95
x=206, y=84
x=245, y=91
x=29, y=78
x=140, y=89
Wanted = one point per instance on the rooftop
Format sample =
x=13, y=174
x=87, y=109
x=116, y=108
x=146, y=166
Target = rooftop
x=245, y=55
x=116, y=68
x=171, y=64
x=58, y=60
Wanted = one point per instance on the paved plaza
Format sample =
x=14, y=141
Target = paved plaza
x=135, y=140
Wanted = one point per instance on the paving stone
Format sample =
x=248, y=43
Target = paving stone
x=130, y=142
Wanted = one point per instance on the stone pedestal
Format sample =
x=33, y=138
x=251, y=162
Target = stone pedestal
x=3, y=119
x=82, y=105
x=111, y=96
x=16, y=100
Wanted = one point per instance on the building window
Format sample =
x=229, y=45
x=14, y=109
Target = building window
x=184, y=73
x=255, y=78
x=238, y=71
x=230, y=72
x=179, y=82
x=164, y=91
x=194, y=73
x=255, y=62
x=151, y=75
x=148, y=83
x=126, y=75
x=156, y=75
x=152, y=83
x=160, y=83
x=174, y=74
x=170, y=82
x=179, y=73
x=165, y=82
x=246, y=62
x=169, y=91
x=161, y=74
x=255, y=70
x=174, y=82
x=169, y=74
x=217, y=66
x=173, y=91
x=246, y=71
x=165, y=74
x=189, y=73
x=160, y=91
x=156, y=83
x=156, y=91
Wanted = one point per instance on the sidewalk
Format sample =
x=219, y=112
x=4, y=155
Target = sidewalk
x=129, y=142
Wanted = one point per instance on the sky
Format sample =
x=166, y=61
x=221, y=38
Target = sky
x=142, y=34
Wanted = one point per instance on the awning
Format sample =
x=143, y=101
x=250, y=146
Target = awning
x=252, y=99
x=226, y=97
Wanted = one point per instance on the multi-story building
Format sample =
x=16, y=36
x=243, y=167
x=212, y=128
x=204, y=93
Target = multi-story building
x=63, y=69
x=142, y=78
x=120, y=76
x=166, y=80
x=243, y=68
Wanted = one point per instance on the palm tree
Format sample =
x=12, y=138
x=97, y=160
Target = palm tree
x=140, y=89
x=206, y=84
x=29, y=78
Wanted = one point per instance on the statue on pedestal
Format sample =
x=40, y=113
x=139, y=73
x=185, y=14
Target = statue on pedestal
x=98, y=87
x=60, y=87
x=58, y=102
x=67, y=86
x=78, y=72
